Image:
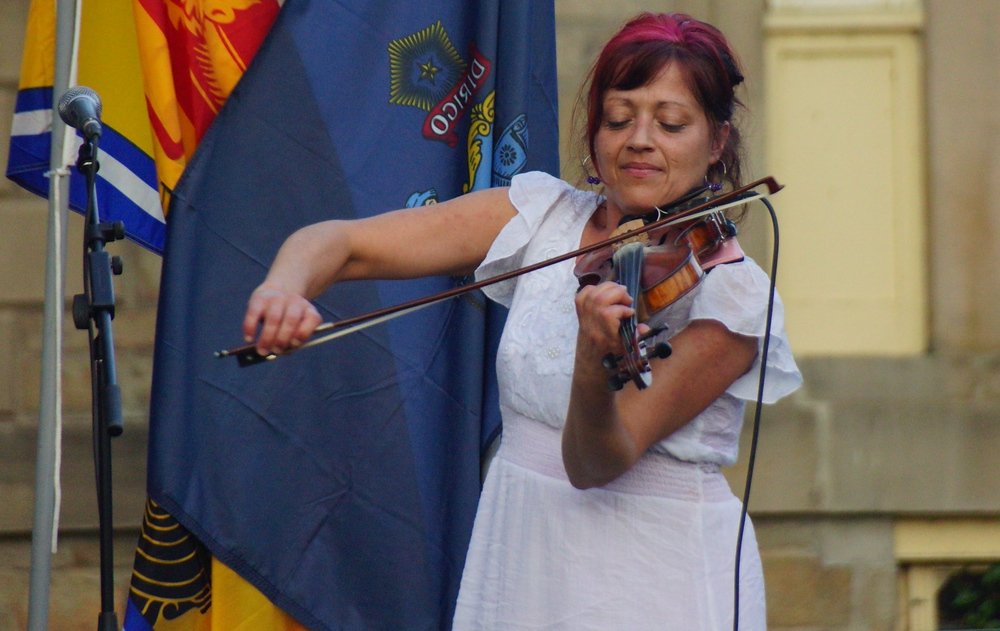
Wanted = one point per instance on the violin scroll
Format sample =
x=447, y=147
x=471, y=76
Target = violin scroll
x=619, y=377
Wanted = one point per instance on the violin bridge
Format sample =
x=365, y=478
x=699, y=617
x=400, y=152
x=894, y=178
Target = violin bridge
x=629, y=226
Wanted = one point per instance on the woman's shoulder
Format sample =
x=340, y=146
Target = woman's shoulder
x=744, y=278
x=537, y=179
x=739, y=295
x=539, y=191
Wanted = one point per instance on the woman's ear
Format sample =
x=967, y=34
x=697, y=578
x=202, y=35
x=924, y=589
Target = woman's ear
x=719, y=141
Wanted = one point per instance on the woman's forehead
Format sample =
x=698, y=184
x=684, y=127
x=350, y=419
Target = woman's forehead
x=669, y=88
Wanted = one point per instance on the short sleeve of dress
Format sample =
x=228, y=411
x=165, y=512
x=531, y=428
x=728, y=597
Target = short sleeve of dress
x=533, y=194
x=736, y=294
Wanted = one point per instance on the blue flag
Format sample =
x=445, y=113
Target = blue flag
x=342, y=480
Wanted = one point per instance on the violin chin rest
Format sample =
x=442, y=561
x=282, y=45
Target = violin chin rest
x=728, y=251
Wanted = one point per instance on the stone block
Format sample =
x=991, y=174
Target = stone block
x=828, y=574
x=788, y=535
x=8, y=350
x=74, y=602
x=913, y=457
x=934, y=378
x=879, y=435
x=15, y=554
x=134, y=372
x=128, y=472
x=23, y=259
x=862, y=542
x=134, y=327
x=134, y=331
x=987, y=387
x=13, y=598
x=876, y=598
x=17, y=475
x=74, y=589
x=12, y=26
x=139, y=285
x=82, y=550
x=802, y=592
x=27, y=361
x=7, y=96
x=788, y=475
x=18, y=454
x=976, y=441
x=135, y=381
x=28, y=327
x=19, y=501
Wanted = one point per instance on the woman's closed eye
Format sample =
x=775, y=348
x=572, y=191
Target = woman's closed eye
x=673, y=128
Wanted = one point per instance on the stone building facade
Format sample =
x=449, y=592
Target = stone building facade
x=873, y=484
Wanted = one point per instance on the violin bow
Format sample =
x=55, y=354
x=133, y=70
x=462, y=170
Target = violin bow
x=247, y=355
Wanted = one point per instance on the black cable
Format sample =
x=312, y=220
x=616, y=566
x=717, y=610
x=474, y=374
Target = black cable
x=756, y=416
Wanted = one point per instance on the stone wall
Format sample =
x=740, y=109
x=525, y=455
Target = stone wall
x=869, y=442
x=74, y=592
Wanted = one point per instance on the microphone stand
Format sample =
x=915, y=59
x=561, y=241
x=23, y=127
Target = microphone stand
x=93, y=310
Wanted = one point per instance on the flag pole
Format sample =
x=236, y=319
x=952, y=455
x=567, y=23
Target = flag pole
x=43, y=538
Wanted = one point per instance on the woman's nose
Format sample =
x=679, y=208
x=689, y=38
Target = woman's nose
x=640, y=139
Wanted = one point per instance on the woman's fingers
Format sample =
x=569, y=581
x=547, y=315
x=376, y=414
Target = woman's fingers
x=600, y=310
x=255, y=310
x=296, y=324
x=278, y=319
x=310, y=320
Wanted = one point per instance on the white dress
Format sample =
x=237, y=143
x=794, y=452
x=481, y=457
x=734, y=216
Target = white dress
x=655, y=548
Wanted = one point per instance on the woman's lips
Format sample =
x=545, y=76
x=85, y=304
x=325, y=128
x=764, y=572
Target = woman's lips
x=640, y=169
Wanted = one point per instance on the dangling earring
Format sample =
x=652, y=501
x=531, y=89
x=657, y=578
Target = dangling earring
x=593, y=180
x=715, y=187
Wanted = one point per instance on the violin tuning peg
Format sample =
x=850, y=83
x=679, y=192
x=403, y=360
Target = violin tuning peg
x=662, y=350
x=653, y=332
x=617, y=382
x=610, y=362
x=731, y=229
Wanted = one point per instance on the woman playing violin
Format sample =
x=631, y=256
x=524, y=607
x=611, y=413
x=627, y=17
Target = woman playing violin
x=602, y=508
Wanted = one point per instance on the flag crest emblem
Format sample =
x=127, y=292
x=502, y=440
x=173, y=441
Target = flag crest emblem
x=423, y=67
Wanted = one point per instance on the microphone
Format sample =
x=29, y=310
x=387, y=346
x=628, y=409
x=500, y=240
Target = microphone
x=80, y=108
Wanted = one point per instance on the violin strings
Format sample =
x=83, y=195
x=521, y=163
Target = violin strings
x=628, y=261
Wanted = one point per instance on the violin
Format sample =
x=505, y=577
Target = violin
x=657, y=267
x=246, y=355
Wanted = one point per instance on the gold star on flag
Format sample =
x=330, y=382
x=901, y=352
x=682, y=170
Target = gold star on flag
x=428, y=70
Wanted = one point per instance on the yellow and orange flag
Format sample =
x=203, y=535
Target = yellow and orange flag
x=192, y=55
x=163, y=70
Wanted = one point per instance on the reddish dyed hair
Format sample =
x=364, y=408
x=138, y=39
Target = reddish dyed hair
x=650, y=41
